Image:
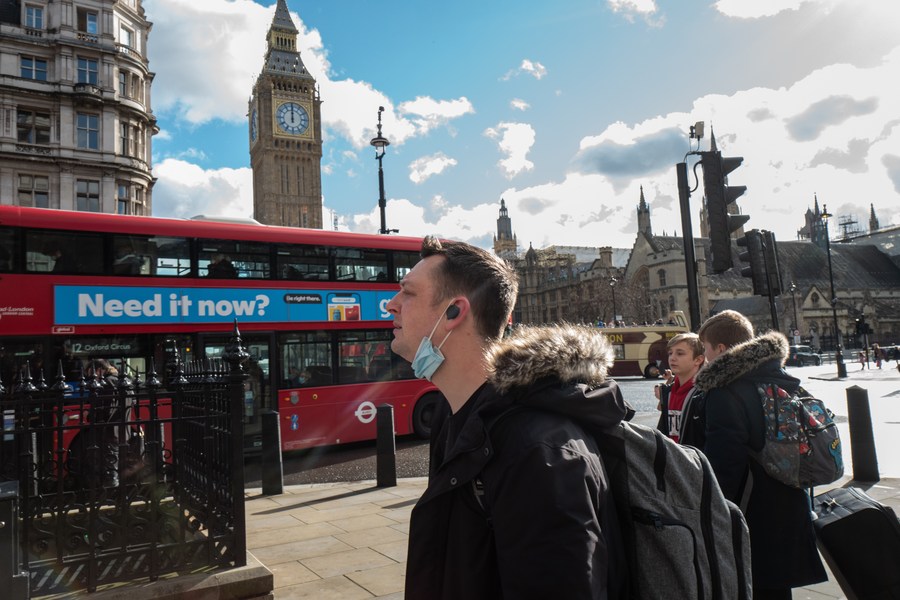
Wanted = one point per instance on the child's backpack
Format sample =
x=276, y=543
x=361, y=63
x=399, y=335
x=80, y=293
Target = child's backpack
x=803, y=446
x=682, y=537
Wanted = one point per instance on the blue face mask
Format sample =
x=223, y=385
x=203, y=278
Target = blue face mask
x=428, y=358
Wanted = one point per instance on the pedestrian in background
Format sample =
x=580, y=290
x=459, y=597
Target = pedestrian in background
x=521, y=510
x=677, y=394
x=782, y=539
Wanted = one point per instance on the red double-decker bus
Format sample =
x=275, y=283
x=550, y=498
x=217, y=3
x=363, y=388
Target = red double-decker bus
x=310, y=304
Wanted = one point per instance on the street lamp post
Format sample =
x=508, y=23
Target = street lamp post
x=380, y=143
x=839, y=353
x=612, y=285
x=794, y=300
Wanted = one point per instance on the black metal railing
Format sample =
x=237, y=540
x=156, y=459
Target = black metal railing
x=127, y=479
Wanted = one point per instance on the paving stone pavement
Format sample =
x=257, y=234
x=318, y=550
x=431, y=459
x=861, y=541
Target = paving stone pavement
x=345, y=541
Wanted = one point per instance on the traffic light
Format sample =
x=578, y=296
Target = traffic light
x=718, y=196
x=770, y=251
x=755, y=256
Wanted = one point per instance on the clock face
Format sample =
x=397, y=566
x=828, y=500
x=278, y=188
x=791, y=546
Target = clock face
x=254, y=125
x=292, y=118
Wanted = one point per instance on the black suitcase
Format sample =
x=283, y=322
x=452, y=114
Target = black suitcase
x=860, y=540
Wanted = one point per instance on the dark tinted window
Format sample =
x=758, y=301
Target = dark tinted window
x=356, y=264
x=225, y=259
x=64, y=252
x=7, y=250
x=302, y=262
x=150, y=255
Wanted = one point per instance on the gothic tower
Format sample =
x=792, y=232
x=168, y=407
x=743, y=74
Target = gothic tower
x=505, y=242
x=873, y=220
x=643, y=215
x=286, y=133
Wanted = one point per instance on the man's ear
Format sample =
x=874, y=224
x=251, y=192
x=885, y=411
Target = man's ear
x=457, y=311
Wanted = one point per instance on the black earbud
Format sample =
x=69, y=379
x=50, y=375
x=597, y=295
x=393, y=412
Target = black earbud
x=452, y=312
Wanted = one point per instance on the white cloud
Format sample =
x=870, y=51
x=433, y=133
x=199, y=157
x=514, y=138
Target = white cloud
x=528, y=67
x=423, y=168
x=643, y=7
x=185, y=190
x=196, y=47
x=646, y=9
x=519, y=104
x=515, y=141
x=755, y=9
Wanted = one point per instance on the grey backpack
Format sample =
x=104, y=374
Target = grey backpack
x=682, y=537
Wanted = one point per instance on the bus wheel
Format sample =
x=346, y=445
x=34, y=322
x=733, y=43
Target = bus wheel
x=651, y=372
x=423, y=413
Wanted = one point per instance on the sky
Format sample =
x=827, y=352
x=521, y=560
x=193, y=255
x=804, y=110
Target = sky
x=565, y=110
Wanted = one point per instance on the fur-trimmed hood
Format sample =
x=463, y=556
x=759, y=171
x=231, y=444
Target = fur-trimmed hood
x=743, y=359
x=561, y=368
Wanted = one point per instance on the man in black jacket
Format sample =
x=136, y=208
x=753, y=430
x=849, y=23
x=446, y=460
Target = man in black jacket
x=782, y=540
x=520, y=510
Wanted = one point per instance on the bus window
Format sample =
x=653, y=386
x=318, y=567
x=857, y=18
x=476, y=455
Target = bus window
x=169, y=256
x=403, y=263
x=66, y=253
x=367, y=356
x=130, y=255
x=229, y=259
x=355, y=264
x=7, y=250
x=302, y=262
x=306, y=359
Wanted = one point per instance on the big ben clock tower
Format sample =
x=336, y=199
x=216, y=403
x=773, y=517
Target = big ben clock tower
x=286, y=133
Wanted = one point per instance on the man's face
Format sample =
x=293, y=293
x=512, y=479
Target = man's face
x=682, y=360
x=712, y=352
x=414, y=309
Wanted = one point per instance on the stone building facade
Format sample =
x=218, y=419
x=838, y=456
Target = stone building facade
x=75, y=109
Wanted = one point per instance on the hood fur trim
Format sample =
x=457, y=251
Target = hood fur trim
x=744, y=358
x=572, y=353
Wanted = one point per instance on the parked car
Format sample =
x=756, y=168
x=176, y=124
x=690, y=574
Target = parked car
x=800, y=356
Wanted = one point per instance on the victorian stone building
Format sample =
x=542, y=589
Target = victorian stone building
x=76, y=125
x=285, y=133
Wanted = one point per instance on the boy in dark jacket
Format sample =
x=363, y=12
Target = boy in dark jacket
x=782, y=539
x=521, y=510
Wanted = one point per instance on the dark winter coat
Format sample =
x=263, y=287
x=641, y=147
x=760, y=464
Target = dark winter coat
x=551, y=531
x=782, y=539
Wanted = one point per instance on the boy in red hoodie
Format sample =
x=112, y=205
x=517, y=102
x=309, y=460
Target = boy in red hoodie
x=685, y=359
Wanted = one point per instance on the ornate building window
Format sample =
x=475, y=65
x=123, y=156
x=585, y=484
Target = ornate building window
x=34, y=190
x=671, y=303
x=87, y=131
x=662, y=277
x=87, y=195
x=126, y=141
x=32, y=127
x=88, y=70
x=34, y=17
x=87, y=21
x=126, y=37
x=31, y=67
